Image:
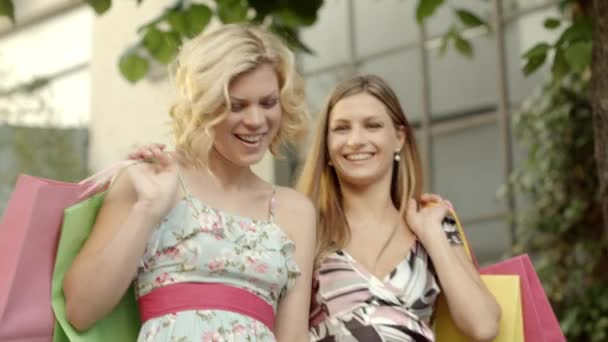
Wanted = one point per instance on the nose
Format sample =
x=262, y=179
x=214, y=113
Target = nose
x=254, y=117
x=355, y=137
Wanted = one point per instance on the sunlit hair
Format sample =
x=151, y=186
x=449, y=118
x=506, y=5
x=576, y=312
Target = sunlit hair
x=319, y=180
x=202, y=73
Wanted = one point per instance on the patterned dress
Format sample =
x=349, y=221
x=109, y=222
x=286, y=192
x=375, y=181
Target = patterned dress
x=197, y=243
x=351, y=304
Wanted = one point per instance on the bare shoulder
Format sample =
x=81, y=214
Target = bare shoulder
x=294, y=212
x=122, y=188
x=292, y=202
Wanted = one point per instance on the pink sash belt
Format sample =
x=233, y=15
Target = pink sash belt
x=178, y=297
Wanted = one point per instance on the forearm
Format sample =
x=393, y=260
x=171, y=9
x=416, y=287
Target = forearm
x=472, y=307
x=300, y=336
x=97, y=281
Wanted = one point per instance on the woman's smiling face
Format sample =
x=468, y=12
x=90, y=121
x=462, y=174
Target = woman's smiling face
x=362, y=140
x=253, y=120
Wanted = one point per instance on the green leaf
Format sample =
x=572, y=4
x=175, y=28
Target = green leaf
x=537, y=50
x=264, y=7
x=178, y=22
x=293, y=19
x=579, y=30
x=133, y=67
x=100, y=6
x=463, y=46
x=162, y=46
x=198, y=16
x=303, y=12
x=7, y=9
x=290, y=36
x=231, y=11
x=551, y=23
x=445, y=41
x=534, y=63
x=426, y=8
x=560, y=66
x=578, y=55
x=469, y=19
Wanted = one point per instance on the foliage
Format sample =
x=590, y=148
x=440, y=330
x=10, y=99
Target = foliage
x=160, y=38
x=562, y=223
x=466, y=20
x=562, y=226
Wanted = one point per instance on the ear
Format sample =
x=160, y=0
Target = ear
x=400, y=132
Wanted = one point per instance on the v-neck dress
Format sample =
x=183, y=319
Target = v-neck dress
x=351, y=304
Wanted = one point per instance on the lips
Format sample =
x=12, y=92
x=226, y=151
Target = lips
x=359, y=156
x=251, y=139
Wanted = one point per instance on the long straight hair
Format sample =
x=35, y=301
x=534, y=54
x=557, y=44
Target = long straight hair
x=319, y=181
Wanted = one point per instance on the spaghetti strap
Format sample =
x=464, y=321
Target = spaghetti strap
x=272, y=204
x=180, y=179
x=182, y=183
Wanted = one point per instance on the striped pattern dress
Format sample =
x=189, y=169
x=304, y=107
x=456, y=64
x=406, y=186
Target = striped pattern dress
x=351, y=304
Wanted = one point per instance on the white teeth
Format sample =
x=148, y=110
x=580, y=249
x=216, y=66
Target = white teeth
x=252, y=139
x=359, y=156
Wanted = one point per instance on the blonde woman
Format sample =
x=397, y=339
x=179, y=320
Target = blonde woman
x=211, y=247
x=383, y=257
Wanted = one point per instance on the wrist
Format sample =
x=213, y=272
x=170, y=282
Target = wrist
x=148, y=211
x=430, y=235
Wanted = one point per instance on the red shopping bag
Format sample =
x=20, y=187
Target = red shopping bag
x=540, y=323
x=29, y=232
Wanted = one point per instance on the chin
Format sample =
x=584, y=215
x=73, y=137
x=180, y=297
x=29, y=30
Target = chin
x=248, y=160
x=359, y=179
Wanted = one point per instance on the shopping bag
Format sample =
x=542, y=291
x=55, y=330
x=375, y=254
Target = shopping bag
x=123, y=323
x=540, y=322
x=29, y=231
x=28, y=239
x=507, y=291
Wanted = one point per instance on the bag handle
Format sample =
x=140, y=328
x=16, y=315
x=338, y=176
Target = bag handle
x=103, y=179
x=463, y=237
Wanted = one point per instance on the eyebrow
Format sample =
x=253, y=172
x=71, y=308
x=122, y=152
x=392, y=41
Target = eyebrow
x=367, y=118
x=236, y=99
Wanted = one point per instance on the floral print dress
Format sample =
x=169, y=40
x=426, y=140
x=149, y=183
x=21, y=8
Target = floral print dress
x=197, y=243
x=350, y=304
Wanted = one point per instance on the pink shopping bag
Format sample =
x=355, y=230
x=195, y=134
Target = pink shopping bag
x=29, y=232
x=540, y=323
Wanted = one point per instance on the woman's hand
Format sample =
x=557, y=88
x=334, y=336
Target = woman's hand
x=148, y=152
x=155, y=180
x=425, y=219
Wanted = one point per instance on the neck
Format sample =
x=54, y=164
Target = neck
x=229, y=176
x=368, y=203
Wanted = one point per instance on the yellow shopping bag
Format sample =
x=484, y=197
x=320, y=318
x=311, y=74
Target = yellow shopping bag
x=505, y=288
x=508, y=295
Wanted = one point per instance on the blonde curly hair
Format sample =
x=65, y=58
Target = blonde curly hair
x=202, y=73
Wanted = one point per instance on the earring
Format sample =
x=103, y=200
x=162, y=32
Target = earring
x=397, y=156
x=330, y=163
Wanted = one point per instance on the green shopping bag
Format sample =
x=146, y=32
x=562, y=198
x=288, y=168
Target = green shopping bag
x=123, y=323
